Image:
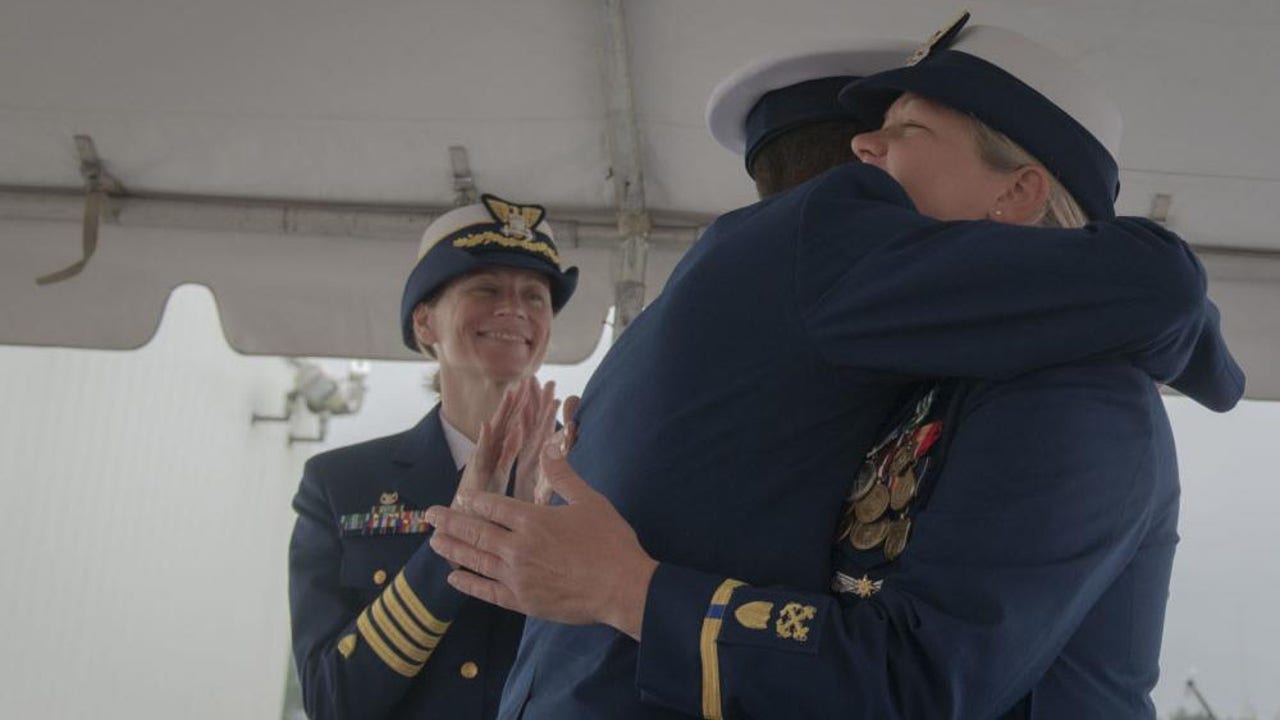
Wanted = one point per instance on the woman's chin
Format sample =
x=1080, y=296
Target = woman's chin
x=509, y=371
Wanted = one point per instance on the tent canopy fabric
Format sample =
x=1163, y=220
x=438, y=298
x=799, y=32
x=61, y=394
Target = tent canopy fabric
x=229, y=122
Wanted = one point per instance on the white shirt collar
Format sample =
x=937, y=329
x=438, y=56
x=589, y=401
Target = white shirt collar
x=460, y=446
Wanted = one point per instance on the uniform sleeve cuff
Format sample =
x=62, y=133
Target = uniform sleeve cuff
x=424, y=580
x=404, y=624
x=678, y=667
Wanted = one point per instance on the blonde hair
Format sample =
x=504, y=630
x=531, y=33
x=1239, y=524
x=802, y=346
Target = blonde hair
x=432, y=384
x=1001, y=153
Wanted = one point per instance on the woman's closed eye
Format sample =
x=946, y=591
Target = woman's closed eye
x=901, y=127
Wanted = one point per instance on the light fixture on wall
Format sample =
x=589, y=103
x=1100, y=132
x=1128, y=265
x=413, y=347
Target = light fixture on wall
x=321, y=395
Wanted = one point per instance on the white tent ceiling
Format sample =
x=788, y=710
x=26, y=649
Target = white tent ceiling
x=341, y=114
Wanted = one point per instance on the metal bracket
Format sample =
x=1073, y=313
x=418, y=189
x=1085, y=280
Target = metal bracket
x=92, y=170
x=318, y=437
x=290, y=402
x=1160, y=205
x=1194, y=690
x=464, y=186
x=98, y=185
x=626, y=171
x=290, y=399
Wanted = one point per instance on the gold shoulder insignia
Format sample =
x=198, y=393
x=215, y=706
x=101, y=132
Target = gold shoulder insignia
x=347, y=645
x=754, y=615
x=939, y=39
x=517, y=220
x=792, y=619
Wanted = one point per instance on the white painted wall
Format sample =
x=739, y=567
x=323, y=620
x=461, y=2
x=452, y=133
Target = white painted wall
x=145, y=527
x=1222, y=626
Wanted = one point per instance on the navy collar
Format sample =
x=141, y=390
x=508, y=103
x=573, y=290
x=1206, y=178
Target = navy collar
x=425, y=443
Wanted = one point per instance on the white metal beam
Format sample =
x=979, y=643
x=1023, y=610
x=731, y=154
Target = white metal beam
x=292, y=217
x=634, y=223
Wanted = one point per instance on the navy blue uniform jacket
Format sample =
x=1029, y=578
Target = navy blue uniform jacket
x=726, y=423
x=377, y=632
x=1033, y=583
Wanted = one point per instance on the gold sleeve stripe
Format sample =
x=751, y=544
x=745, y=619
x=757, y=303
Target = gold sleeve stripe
x=417, y=609
x=710, y=655
x=386, y=654
x=407, y=647
x=415, y=631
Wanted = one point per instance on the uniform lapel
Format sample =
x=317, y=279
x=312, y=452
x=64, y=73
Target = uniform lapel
x=429, y=476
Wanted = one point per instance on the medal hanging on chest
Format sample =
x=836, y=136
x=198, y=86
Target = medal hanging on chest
x=878, y=506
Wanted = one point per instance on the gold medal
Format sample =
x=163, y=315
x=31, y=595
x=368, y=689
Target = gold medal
x=902, y=489
x=866, y=536
x=895, y=540
x=862, y=484
x=846, y=526
x=873, y=505
x=904, y=458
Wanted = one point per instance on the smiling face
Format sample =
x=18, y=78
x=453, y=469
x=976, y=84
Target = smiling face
x=932, y=151
x=489, y=326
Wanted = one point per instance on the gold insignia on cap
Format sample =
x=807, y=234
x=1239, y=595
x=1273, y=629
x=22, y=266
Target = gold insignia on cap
x=791, y=621
x=519, y=229
x=492, y=238
x=939, y=39
x=754, y=615
x=347, y=645
x=517, y=220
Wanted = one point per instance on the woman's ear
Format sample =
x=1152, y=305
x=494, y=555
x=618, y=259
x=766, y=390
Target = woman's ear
x=1025, y=199
x=424, y=325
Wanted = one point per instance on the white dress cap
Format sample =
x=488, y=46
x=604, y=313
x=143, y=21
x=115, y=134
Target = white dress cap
x=734, y=97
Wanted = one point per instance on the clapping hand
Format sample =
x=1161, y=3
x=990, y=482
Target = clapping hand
x=496, y=448
x=538, y=423
x=575, y=563
x=564, y=439
x=522, y=423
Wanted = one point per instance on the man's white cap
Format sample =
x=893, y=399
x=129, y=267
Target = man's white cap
x=772, y=95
